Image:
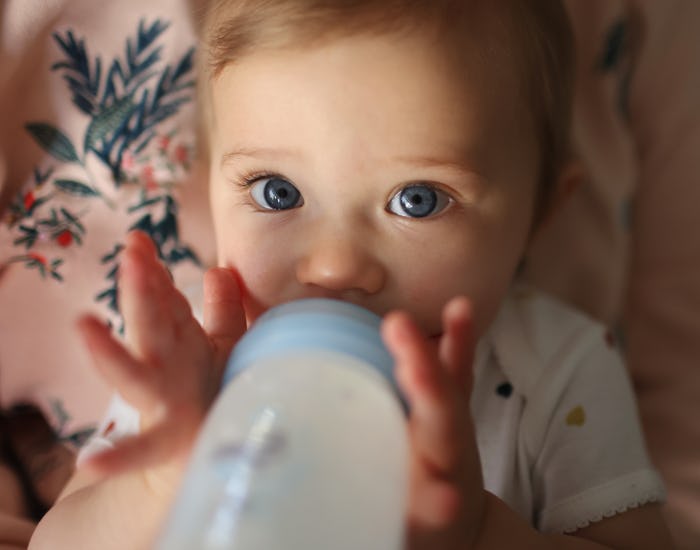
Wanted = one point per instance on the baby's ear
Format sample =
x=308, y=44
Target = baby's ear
x=569, y=179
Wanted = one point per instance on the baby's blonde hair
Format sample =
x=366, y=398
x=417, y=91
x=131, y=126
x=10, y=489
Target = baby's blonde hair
x=534, y=34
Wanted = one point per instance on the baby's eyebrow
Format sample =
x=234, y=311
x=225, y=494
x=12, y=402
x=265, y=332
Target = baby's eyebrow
x=259, y=153
x=461, y=166
x=455, y=165
x=428, y=161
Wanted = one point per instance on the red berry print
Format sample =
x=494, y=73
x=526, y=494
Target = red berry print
x=37, y=258
x=29, y=200
x=64, y=238
x=181, y=154
x=148, y=177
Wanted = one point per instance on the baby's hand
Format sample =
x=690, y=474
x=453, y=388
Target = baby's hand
x=170, y=367
x=446, y=488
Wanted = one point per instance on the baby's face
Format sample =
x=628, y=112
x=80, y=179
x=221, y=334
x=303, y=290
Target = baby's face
x=375, y=171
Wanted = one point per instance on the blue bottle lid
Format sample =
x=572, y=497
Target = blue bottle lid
x=315, y=323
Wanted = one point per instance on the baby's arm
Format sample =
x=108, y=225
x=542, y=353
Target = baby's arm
x=169, y=370
x=449, y=508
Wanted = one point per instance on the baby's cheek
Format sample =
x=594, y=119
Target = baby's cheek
x=425, y=302
x=262, y=287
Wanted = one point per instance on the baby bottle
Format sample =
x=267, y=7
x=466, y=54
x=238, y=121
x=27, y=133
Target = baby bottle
x=306, y=445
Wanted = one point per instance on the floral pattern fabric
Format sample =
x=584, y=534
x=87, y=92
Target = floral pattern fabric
x=112, y=159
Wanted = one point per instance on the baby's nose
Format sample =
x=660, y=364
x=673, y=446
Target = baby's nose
x=340, y=263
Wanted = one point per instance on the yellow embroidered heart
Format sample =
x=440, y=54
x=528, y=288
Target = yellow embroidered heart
x=576, y=417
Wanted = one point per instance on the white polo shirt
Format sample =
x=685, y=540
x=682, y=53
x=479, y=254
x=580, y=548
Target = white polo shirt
x=556, y=418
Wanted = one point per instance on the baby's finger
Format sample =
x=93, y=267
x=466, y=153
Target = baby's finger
x=131, y=379
x=433, y=415
x=457, y=343
x=173, y=305
x=224, y=318
x=144, y=290
x=142, y=242
x=414, y=360
x=174, y=301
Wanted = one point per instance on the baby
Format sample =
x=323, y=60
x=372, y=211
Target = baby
x=399, y=155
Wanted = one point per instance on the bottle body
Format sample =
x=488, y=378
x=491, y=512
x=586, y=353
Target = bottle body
x=304, y=449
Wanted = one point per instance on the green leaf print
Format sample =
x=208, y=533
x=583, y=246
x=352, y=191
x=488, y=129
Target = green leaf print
x=53, y=141
x=76, y=188
x=108, y=121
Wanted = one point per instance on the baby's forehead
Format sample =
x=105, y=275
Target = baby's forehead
x=403, y=111
x=523, y=49
x=454, y=71
x=496, y=31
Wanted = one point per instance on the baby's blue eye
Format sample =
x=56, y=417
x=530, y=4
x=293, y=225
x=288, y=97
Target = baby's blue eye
x=274, y=193
x=418, y=201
